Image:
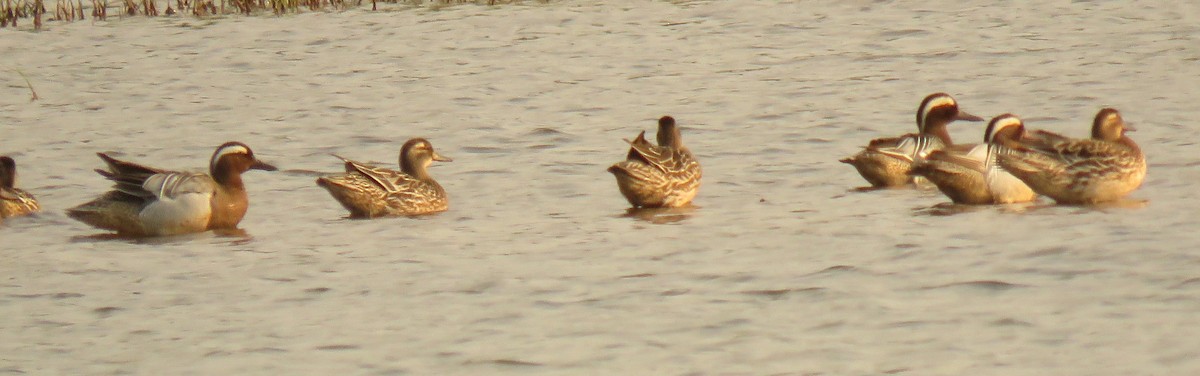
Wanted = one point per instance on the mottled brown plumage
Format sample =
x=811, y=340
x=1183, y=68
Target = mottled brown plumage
x=13, y=201
x=369, y=192
x=1104, y=168
x=663, y=175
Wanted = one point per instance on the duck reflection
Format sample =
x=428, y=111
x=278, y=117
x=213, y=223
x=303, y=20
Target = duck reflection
x=660, y=216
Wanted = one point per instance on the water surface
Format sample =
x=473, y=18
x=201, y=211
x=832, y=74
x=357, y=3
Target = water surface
x=783, y=267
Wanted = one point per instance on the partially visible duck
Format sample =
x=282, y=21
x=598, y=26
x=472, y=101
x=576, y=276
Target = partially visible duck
x=970, y=175
x=147, y=201
x=1104, y=168
x=886, y=162
x=13, y=202
x=663, y=175
x=369, y=192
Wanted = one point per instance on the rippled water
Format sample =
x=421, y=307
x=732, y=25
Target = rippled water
x=783, y=267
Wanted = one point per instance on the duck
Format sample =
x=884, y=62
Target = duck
x=14, y=202
x=657, y=176
x=147, y=201
x=886, y=162
x=369, y=192
x=1104, y=168
x=969, y=174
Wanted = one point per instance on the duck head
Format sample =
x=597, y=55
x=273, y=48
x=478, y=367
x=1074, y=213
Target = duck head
x=668, y=133
x=232, y=159
x=1109, y=126
x=938, y=110
x=1005, y=130
x=8, y=172
x=416, y=155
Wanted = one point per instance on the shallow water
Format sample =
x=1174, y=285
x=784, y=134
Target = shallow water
x=783, y=267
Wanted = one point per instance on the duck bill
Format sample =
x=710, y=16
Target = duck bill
x=260, y=165
x=967, y=117
x=1129, y=127
x=440, y=158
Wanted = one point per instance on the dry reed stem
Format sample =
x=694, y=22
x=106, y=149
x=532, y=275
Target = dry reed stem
x=33, y=93
x=11, y=11
x=38, y=9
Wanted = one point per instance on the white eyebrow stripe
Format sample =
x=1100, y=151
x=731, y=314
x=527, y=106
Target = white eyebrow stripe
x=939, y=101
x=231, y=149
x=1004, y=122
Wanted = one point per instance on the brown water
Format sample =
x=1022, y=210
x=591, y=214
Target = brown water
x=782, y=268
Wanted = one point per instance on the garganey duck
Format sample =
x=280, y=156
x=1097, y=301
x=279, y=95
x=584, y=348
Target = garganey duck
x=1103, y=168
x=969, y=174
x=13, y=202
x=369, y=192
x=147, y=201
x=663, y=175
x=885, y=162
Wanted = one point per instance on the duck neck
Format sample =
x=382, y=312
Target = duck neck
x=670, y=137
x=8, y=173
x=415, y=169
x=227, y=176
x=8, y=179
x=1128, y=142
x=938, y=129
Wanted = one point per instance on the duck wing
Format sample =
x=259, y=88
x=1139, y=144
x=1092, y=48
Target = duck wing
x=974, y=159
x=390, y=181
x=173, y=185
x=1039, y=139
x=910, y=147
x=128, y=177
x=890, y=142
x=678, y=164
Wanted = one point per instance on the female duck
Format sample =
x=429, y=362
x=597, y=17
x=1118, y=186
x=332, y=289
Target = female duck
x=970, y=175
x=663, y=175
x=13, y=202
x=369, y=192
x=1080, y=171
x=886, y=162
x=147, y=201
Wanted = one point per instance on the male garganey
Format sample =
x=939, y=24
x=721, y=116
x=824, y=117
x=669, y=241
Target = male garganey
x=1103, y=168
x=886, y=162
x=968, y=174
x=663, y=175
x=147, y=201
x=369, y=192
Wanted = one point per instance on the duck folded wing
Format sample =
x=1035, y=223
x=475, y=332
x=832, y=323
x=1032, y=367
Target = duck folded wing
x=383, y=178
x=666, y=159
x=643, y=150
x=128, y=177
x=1040, y=139
x=971, y=161
x=890, y=142
x=173, y=185
x=909, y=148
x=1081, y=151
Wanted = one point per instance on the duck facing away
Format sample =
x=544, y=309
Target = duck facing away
x=969, y=174
x=147, y=201
x=886, y=162
x=13, y=202
x=1104, y=168
x=369, y=192
x=663, y=175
